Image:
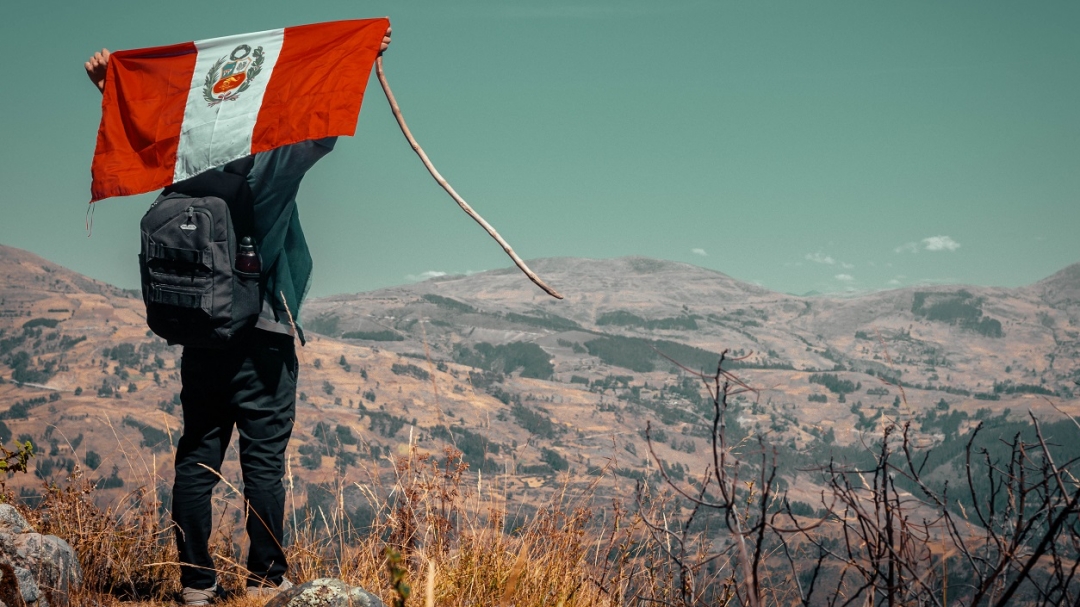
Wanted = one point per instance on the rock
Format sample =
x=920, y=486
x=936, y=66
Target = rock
x=11, y=521
x=38, y=567
x=325, y=592
x=10, y=596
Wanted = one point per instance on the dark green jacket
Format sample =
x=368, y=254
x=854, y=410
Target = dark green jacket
x=275, y=180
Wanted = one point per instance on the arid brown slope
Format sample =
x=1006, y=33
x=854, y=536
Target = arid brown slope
x=85, y=381
x=973, y=347
x=463, y=360
x=969, y=334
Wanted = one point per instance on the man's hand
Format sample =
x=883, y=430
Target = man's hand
x=382, y=49
x=95, y=67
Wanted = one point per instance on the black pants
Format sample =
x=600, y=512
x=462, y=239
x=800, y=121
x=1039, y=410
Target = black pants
x=252, y=387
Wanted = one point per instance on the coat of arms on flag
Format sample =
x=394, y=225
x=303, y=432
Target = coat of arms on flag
x=237, y=70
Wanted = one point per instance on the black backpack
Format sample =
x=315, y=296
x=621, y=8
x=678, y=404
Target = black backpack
x=193, y=292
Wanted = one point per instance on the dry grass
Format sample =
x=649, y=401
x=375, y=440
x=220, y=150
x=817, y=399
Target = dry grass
x=438, y=535
x=438, y=527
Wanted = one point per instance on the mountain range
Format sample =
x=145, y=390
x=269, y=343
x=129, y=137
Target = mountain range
x=543, y=393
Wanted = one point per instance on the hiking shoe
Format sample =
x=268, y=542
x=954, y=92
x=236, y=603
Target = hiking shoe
x=196, y=596
x=269, y=591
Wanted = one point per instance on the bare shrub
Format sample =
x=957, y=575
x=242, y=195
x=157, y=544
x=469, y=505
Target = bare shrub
x=883, y=535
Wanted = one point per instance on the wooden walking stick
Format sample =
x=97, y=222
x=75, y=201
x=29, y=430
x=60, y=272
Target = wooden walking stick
x=449, y=190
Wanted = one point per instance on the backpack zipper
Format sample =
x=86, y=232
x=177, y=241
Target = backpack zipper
x=188, y=225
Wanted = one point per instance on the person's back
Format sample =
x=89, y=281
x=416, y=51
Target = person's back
x=251, y=386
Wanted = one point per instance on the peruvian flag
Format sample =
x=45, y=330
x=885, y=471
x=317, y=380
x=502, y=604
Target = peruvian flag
x=172, y=112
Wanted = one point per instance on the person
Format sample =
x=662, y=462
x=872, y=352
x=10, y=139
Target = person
x=251, y=387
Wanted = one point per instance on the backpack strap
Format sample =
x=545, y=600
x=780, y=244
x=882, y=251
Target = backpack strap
x=156, y=250
x=175, y=297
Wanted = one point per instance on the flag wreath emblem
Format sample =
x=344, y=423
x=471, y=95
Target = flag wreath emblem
x=232, y=74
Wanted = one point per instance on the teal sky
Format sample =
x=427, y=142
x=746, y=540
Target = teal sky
x=804, y=146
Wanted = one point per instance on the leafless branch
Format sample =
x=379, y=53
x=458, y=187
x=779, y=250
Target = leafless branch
x=450, y=190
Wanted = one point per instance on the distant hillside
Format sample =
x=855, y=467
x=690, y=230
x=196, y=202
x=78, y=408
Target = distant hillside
x=970, y=334
x=530, y=387
x=829, y=370
x=1062, y=289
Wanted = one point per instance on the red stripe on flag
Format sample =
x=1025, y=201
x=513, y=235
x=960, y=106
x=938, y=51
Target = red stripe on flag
x=142, y=111
x=317, y=85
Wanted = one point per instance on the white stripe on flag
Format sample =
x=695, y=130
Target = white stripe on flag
x=219, y=117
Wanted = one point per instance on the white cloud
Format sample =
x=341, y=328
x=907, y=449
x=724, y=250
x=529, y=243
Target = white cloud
x=700, y=252
x=940, y=243
x=930, y=243
x=846, y=266
x=424, y=276
x=820, y=257
x=894, y=282
x=844, y=277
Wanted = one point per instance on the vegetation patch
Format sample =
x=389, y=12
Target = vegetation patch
x=154, y=439
x=41, y=322
x=834, y=384
x=124, y=355
x=385, y=335
x=1007, y=387
x=961, y=309
x=449, y=304
x=537, y=423
x=530, y=358
x=23, y=370
x=642, y=355
x=68, y=342
x=21, y=409
x=410, y=370
x=623, y=318
x=544, y=321
x=385, y=424
x=475, y=447
x=554, y=460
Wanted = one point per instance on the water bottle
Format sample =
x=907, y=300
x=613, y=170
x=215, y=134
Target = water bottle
x=247, y=260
